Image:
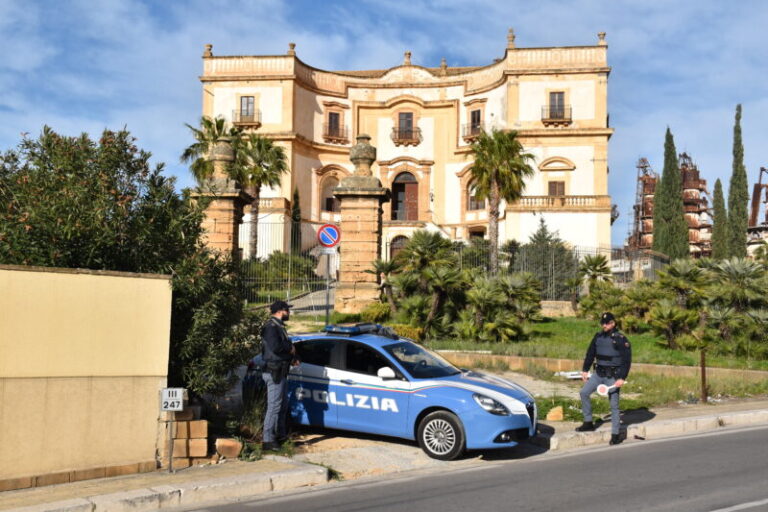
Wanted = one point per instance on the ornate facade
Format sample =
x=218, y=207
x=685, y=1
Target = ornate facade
x=423, y=120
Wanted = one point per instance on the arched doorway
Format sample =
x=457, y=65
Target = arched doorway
x=329, y=202
x=396, y=245
x=405, y=197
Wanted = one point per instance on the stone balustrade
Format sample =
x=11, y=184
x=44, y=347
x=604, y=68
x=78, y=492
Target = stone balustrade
x=540, y=203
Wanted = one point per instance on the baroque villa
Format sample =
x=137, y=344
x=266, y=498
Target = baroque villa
x=422, y=120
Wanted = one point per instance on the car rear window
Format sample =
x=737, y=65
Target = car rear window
x=317, y=352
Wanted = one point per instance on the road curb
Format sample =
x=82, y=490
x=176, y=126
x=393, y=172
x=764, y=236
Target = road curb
x=194, y=492
x=653, y=429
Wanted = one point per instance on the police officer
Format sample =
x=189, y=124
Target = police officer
x=614, y=357
x=278, y=354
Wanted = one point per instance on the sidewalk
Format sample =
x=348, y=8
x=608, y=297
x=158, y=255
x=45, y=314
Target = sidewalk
x=655, y=424
x=353, y=456
x=151, y=491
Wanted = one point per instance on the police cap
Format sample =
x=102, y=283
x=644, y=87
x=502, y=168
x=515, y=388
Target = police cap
x=607, y=318
x=279, y=305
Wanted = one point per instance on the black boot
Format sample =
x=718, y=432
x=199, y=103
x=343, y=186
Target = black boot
x=587, y=426
x=615, y=439
x=270, y=447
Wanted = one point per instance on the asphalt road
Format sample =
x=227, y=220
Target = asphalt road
x=723, y=472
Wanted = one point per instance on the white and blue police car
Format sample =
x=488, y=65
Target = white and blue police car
x=365, y=378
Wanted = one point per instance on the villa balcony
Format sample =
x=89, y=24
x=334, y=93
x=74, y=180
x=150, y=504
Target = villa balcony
x=561, y=203
x=470, y=131
x=406, y=136
x=556, y=115
x=335, y=134
x=246, y=119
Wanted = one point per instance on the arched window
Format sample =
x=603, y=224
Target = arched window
x=405, y=197
x=474, y=203
x=396, y=245
x=328, y=202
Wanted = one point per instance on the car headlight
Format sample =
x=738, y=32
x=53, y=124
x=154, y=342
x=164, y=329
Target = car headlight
x=491, y=405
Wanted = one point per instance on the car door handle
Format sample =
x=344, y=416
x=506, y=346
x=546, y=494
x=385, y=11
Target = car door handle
x=348, y=382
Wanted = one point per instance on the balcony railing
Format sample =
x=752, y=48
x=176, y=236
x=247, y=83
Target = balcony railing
x=246, y=118
x=471, y=131
x=556, y=115
x=406, y=136
x=528, y=203
x=405, y=215
x=335, y=133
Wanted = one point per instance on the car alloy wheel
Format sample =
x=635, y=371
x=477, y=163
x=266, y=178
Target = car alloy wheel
x=441, y=435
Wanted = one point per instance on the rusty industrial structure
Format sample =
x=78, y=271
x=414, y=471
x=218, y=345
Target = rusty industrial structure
x=641, y=236
x=757, y=229
x=695, y=205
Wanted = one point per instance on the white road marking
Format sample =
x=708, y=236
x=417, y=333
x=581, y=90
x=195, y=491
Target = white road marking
x=743, y=506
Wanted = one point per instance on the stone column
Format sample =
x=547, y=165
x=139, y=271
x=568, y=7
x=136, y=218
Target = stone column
x=361, y=196
x=224, y=212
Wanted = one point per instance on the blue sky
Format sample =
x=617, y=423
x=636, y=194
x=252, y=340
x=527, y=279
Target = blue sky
x=83, y=65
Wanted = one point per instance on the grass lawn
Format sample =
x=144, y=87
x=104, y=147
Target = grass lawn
x=568, y=338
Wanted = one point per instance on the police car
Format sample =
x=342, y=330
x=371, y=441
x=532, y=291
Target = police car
x=365, y=378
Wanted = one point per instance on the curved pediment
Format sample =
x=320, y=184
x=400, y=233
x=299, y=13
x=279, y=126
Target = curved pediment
x=557, y=163
x=408, y=74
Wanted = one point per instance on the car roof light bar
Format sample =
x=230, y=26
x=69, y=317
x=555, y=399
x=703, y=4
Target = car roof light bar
x=360, y=328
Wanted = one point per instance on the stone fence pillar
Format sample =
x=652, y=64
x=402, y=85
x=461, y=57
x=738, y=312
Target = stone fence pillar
x=224, y=212
x=361, y=196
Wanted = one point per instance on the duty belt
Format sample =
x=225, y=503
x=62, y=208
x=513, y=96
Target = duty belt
x=606, y=371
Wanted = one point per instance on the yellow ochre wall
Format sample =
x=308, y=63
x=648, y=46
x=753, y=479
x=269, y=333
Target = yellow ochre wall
x=83, y=355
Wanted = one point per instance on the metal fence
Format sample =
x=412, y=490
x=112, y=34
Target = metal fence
x=288, y=265
x=556, y=265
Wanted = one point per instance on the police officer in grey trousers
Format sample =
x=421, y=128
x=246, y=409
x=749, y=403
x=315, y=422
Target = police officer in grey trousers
x=278, y=354
x=614, y=357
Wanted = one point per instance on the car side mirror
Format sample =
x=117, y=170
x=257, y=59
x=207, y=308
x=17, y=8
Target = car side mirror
x=386, y=373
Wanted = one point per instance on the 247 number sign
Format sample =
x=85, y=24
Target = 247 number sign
x=172, y=399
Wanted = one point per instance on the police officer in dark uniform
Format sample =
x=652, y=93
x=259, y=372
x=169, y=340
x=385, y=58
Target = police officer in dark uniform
x=613, y=353
x=278, y=354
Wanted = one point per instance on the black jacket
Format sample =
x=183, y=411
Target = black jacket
x=621, y=343
x=275, y=344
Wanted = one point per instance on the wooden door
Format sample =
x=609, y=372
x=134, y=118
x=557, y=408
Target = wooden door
x=411, y=201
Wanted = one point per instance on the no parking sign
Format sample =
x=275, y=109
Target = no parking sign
x=329, y=235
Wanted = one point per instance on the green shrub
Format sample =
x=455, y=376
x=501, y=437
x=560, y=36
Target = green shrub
x=376, y=312
x=345, y=318
x=408, y=331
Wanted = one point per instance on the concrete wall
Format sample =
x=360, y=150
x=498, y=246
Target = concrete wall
x=83, y=355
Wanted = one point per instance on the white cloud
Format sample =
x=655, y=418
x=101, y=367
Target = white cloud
x=135, y=62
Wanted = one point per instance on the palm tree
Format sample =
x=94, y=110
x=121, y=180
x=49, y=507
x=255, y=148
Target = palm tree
x=258, y=162
x=684, y=277
x=442, y=280
x=740, y=284
x=384, y=271
x=425, y=249
x=594, y=269
x=499, y=172
x=210, y=132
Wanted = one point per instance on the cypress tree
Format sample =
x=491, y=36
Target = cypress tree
x=738, y=196
x=295, y=223
x=720, y=240
x=670, y=230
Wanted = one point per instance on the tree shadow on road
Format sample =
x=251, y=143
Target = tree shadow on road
x=635, y=416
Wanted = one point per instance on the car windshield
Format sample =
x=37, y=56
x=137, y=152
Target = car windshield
x=419, y=362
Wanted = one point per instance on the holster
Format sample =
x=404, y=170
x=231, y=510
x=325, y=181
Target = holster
x=278, y=370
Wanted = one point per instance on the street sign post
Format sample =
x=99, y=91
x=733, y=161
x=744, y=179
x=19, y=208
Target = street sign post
x=171, y=400
x=329, y=236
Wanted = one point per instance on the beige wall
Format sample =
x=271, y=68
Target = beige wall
x=83, y=356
